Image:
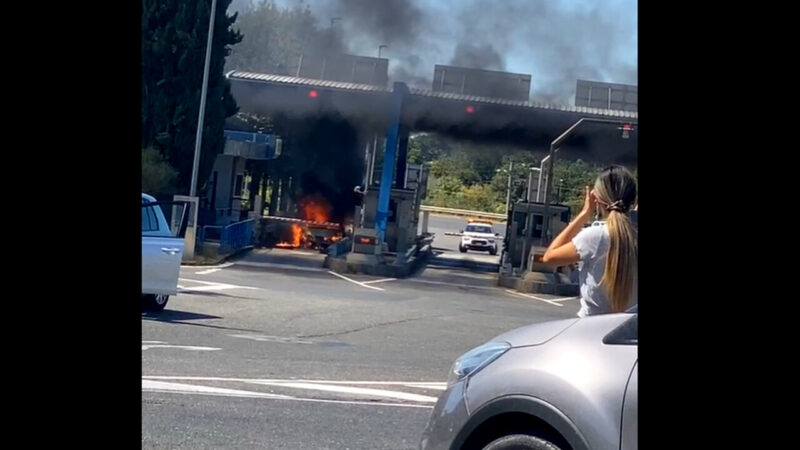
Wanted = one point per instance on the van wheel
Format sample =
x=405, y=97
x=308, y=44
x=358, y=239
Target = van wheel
x=462, y=249
x=493, y=251
x=155, y=302
x=520, y=442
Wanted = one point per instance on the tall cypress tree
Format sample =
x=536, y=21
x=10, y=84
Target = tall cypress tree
x=174, y=38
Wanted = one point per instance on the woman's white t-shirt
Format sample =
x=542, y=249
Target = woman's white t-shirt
x=592, y=245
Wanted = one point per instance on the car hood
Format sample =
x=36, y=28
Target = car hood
x=535, y=334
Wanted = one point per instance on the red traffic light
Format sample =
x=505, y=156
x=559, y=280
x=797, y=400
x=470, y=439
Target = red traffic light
x=313, y=94
x=470, y=109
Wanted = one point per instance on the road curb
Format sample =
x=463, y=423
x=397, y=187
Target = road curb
x=215, y=261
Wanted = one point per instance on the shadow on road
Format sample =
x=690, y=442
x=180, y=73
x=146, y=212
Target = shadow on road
x=180, y=318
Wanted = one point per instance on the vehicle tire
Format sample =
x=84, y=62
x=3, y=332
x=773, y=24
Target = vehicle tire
x=155, y=302
x=462, y=249
x=520, y=442
x=492, y=251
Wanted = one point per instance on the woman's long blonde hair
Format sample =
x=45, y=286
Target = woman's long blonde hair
x=615, y=191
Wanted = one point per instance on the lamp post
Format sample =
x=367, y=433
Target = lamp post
x=625, y=126
x=191, y=228
x=508, y=188
x=199, y=136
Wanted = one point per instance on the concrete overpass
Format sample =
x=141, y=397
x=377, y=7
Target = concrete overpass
x=526, y=124
x=398, y=110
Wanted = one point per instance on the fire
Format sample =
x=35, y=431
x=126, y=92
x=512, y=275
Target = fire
x=315, y=214
x=315, y=210
x=297, y=236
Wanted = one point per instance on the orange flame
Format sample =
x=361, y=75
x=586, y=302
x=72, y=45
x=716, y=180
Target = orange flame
x=297, y=236
x=315, y=210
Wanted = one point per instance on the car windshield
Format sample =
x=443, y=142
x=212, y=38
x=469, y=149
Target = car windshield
x=478, y=229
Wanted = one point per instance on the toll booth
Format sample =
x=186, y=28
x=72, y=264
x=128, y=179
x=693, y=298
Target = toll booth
x=514, y=243
x=401, y=226
x=402, y=223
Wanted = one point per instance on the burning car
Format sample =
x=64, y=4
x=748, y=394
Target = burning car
x=322, y=235
x=312, y=231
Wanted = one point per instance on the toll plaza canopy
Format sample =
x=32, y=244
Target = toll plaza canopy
x=482, y=119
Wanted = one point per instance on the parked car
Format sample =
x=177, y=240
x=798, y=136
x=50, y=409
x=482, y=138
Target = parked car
x=568, y=384
x=162, y=252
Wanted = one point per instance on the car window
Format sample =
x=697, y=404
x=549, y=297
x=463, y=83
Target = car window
x=478, y=229
x=149, y=220
x=625, y=334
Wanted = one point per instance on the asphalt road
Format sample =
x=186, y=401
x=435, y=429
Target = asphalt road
x=442, y=224
x=296, y=357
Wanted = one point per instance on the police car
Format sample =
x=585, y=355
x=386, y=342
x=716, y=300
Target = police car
x=479, y=235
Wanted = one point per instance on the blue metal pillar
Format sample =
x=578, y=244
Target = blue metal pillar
x=402, y=159
x=392, y=135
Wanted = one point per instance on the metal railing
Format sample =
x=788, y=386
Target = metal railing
x=461, y=212
x=341, y=247
x=237, y=235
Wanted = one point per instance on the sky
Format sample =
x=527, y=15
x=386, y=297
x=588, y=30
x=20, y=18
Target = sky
x=557, y=42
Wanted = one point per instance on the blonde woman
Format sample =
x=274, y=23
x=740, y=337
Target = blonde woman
x=607, y=253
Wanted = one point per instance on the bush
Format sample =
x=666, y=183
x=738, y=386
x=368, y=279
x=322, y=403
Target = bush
x=158, y=177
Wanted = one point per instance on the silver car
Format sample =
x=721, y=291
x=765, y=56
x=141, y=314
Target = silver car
x=162, y=252
x=568, y=384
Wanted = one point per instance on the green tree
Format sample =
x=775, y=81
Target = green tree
x=174, y=38
x=427, y=147
x=481, y=197
x=570, y=179
x=158, y=177
x=274, y=35
x=457, y=165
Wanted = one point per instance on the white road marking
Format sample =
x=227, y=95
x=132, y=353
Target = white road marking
x=425, y=384
x=534, y=297
x=221, y=266
x=150, y=385
x=214, y=283
x=354, y=281
x=182, y=347
x=211, y=286
x=379, y=281
x=265, y=338
x=153, y=342
x=565, y=299
x=431, y=386
x=178, y=388
x=352, y=390
x=206, y=272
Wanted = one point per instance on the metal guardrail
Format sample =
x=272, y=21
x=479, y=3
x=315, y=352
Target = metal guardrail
x=340, y=248
x=462, y=212
x=237, y=235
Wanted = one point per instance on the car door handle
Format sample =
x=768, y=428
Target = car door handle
x=171, y=251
